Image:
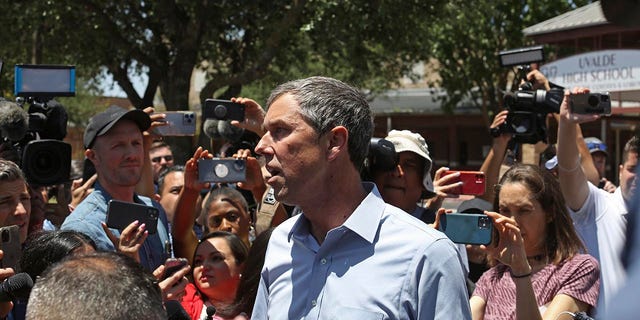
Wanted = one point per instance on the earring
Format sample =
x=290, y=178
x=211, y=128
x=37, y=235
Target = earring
x=252, y=233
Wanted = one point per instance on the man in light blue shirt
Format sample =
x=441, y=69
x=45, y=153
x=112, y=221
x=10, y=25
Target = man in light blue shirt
x=348, y=255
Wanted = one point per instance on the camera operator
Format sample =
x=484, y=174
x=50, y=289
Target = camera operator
x=600, y=217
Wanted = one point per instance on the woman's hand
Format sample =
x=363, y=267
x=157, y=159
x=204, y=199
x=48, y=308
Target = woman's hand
x=130, y=240
x=509, y=248
x=172, y=287
x=191, y=181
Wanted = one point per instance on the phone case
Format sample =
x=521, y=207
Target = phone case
x=180, y=123
x=220, y=170
x=590, y=103
x=467, y=228
x=473, y=182
x=11, y=248
x=223, y=110
x=120, y=214
x=172, y=265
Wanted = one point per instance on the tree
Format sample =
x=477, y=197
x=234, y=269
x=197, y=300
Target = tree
x=237, y=43
x=466, y=38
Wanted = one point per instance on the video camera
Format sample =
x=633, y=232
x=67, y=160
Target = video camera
x=35, y=136
x=527, y=108
x=382, y=157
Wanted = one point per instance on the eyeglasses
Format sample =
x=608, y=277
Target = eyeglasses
x=166, y=158
x=216, y=221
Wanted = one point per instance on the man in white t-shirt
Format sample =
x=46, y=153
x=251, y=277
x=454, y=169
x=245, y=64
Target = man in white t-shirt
x=599, y=216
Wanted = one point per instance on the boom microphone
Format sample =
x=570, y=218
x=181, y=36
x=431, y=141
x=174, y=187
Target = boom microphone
x=16, y=286
x=14, y=121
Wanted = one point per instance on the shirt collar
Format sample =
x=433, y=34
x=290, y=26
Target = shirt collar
x=363, y=221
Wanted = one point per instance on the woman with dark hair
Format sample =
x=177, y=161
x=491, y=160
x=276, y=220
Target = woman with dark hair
x=539, y=271
x=48, y=247
x=226, y=209
x=216, y=267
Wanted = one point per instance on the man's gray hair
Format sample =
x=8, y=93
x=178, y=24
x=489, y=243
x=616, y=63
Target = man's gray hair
x=327, y=103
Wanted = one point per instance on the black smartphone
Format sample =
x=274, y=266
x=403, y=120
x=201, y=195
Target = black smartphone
x=121, y=214
x=222, y=170
x=467, y=228
x=11, y=248
x=223, y=110
x=172, y=265
x=590, y=103
x=179, y=123
x=88, y=170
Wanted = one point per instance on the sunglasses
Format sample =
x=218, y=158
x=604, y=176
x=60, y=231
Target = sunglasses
x=166, y=158
x=216, y=221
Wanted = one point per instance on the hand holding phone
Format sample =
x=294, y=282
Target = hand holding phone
x=121, y=214
x=473, y=182
x=467, y=228
x=172, y=265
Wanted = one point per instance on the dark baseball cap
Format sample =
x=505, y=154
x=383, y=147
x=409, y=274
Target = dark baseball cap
x=104, y=121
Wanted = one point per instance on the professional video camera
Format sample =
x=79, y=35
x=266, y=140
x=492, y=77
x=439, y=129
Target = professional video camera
x=528, y=109
x=35, y=136
x=381, y=157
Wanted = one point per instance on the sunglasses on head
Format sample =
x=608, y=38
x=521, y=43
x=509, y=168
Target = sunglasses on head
x=216, y=221
x=166, y=158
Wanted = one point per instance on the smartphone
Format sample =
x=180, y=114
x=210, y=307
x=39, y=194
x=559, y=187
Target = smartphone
x=88, y=170
x=467, y=228
x=172, y=265
x=223, y=110
x=10, y=245
x=179, y=123
x=222, y=170
x=590, y=103
x=120, y=214
x=473, y=182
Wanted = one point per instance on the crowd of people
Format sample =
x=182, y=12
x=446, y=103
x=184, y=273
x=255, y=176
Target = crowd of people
x=322, y=242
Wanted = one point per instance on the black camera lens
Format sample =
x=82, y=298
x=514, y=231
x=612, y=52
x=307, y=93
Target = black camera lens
x=594, y=100
x=5, y=236
x=238, y=165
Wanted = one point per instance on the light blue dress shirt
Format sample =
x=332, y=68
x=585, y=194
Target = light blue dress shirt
x=382, y=263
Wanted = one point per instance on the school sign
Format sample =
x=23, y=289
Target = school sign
x=601, y=71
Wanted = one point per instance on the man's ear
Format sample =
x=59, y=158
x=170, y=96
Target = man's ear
x=157, y=197
x=90, y=154
x=337, y=141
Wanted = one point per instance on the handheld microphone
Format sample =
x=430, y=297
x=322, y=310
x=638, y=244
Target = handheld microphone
x=175, y=311
x=17, y=286
x=14, y=121
x=211, y=311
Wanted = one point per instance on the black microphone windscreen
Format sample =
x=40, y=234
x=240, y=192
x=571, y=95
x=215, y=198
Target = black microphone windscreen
x=14, y=121
x=16, y=286
x=211, y=311
x=229, y=131
x=210, y=128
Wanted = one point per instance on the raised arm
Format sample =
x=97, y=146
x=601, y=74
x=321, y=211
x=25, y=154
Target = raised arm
x=493, y=161
x=184, y=238
x=573, y=181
